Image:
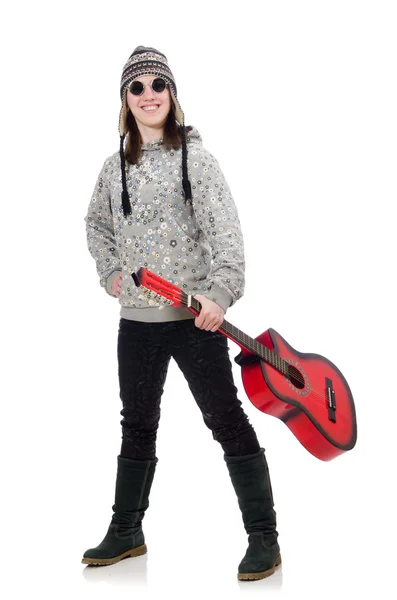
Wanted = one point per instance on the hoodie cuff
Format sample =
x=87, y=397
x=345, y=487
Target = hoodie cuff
x=109, y=282
x=220, y=296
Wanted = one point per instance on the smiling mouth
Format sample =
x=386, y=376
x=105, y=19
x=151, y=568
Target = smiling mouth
x=150, y=107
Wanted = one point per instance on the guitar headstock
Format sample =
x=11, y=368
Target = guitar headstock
x=158, y=289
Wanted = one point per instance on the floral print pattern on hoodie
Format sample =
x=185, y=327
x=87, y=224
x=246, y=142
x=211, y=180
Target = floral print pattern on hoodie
x=197, y=245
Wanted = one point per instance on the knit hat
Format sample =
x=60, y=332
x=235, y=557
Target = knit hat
x=149, y=61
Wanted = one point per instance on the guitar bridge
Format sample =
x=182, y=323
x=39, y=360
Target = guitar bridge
x=331, y=400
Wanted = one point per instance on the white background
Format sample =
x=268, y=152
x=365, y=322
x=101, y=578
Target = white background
x=297, y=101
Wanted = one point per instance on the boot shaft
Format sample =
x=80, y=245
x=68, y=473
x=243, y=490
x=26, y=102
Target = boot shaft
x=251, y=481
x=133, y=484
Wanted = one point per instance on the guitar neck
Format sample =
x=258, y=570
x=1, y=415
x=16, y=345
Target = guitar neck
x=161, y=288
x=247, y=342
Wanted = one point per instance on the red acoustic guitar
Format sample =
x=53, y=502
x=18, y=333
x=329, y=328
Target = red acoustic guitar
x=305, y=391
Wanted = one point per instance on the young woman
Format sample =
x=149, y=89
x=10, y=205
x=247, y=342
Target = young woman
x=162, y=202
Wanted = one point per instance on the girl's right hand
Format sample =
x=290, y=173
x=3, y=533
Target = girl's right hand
x=116, y=286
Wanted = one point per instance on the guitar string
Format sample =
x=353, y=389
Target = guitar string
x=317, y=396
x=314, y=394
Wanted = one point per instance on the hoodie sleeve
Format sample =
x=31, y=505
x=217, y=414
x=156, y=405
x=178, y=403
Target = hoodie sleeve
x=216, y=216
x=100, y=232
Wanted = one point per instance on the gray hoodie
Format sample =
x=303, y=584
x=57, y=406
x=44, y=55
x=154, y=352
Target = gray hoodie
x=198, y=246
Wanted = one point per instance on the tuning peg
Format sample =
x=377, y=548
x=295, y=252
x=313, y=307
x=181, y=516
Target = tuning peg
x=152, y=298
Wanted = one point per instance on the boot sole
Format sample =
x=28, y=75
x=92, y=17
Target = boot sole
x=110, y=561
x=260, y=574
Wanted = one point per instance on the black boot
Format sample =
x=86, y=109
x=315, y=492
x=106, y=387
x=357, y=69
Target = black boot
x=251, y=482
x=125, y=536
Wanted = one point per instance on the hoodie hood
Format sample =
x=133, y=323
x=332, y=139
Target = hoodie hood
x=192, y=137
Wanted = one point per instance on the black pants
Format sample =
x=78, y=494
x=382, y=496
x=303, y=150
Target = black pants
x=144, y=352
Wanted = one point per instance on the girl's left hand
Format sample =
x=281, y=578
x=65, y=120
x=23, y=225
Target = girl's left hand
x=211, y=314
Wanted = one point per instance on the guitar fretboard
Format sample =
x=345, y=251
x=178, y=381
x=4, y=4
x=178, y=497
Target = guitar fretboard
x=245, y=340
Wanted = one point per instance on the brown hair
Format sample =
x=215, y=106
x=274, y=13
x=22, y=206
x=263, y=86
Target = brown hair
x=171, y=139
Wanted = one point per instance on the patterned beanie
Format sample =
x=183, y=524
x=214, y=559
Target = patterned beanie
x=149, y=61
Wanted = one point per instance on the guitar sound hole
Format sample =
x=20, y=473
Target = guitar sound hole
x=295, y=377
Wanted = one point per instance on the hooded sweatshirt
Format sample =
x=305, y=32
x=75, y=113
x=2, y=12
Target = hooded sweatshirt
x=197, y=245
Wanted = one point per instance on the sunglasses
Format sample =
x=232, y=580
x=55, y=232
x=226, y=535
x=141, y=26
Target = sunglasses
x=158, y=85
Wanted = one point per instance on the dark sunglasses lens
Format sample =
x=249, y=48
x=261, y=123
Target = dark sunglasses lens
x=136, y=88
x=158, y=84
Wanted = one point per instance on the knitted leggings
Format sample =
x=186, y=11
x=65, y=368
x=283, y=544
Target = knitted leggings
x=144, y=351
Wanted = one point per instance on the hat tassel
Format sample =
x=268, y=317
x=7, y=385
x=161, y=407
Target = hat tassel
x=187, y=188
x=124, y=195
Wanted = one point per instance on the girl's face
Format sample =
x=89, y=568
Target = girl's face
x=160, y=101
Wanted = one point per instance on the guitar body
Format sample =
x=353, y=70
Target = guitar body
x=304, y=407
